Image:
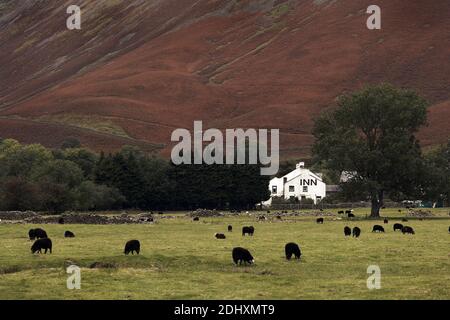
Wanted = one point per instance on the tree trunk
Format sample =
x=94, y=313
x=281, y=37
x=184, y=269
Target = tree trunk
x=377, y=203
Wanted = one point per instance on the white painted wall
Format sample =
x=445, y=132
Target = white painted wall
x=298, y=183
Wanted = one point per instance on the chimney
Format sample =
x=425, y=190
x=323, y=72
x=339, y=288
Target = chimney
x=300, y=165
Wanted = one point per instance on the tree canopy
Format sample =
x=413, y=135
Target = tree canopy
x=33, y=177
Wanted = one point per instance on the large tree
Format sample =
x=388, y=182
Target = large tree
x=371, y=135
x=437, y=177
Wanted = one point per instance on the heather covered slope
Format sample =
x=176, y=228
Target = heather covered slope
x=139, y=69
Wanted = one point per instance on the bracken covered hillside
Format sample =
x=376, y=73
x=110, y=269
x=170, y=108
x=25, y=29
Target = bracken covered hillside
x=139, y=69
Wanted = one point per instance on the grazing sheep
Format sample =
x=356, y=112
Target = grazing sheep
x=230, y=228
x=341, y=212
x=448, y=229
x=132, y=246
x=407, y=229
x=347, y=231
x=242, y=255
x=279, y=217
x=37, y=233
x=398, y=226
x=248, y=230
x=40, y=244
x=377, y=228
x=195, y=219
x=290, y=249
x=356, y=232
x=268, y=211
x=69, y=234
x=61, y=220
x=348, y=211
x=319, y=220
x=350, y=215
x=386, y=221
x=219, y=236
x=32, y=234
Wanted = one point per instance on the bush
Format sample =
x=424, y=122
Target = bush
x=90, y=196
x=19, y=194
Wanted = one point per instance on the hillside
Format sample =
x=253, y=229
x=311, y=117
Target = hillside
x=139, y=69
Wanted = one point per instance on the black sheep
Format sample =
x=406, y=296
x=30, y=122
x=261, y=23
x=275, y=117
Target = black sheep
x=407, y=229
x=347, y=231
x=341, y=212
x=350, y=215
x=242, y=255
x=319, y=220
x=196, y=219
x=230, y=228
x=40, y=233
x=248, y=230
x=40, y=244
x=61, y=220
x=356, y=232
x=386, y=221
x=398, y=226
x=69, y=234
x=32, y=234
x=348, y=211
x=132, y=246
x=219, y=236
x=377, y=228
x=448, y=229
x=290, y=249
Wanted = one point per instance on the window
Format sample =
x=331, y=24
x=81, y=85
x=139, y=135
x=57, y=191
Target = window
x=305, y=188
x=291, y=188
x=274, y=189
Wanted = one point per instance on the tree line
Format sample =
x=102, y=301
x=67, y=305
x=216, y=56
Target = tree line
x=33, y=177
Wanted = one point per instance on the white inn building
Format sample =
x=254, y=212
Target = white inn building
x=300, y=183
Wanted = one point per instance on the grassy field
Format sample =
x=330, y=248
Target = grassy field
x=180, y=259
